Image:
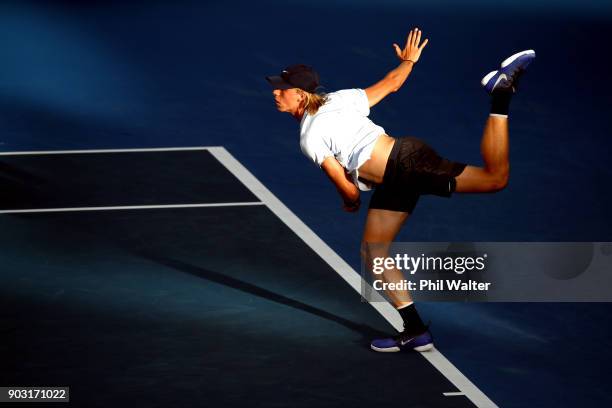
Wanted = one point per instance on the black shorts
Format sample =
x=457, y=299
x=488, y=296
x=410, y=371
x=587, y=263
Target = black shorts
x=413, y=169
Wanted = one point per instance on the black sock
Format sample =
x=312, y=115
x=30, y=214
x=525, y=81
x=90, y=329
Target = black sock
x=412, y=320
x=500, y=102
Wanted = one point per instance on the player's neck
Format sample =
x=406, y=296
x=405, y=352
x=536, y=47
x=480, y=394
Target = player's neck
x=298, y=114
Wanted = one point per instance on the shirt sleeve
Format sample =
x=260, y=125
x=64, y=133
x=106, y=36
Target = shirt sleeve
x=315, y=148
x=355, y=99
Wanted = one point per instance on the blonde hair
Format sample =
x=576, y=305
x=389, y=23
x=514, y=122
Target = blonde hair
x=312, y=101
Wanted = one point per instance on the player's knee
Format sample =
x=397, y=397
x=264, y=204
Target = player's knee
x=369, y=251
x=500, y=180
x=366, y=253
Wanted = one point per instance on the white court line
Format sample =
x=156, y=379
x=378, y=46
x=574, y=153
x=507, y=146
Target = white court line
x=128, y=207
x=347, y=273
x=452, y=394
x=113, y=208
x=152, y=149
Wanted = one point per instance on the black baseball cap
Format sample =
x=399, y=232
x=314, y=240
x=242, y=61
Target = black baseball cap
x=296, y=76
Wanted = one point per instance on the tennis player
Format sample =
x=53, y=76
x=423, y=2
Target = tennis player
x=356, y=154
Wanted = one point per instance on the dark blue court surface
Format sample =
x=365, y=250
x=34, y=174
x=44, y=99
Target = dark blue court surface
x=207, y=306
x=165, y=304
x=116, y=179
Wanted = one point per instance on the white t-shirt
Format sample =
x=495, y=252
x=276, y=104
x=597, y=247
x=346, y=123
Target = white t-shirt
x=341, y=129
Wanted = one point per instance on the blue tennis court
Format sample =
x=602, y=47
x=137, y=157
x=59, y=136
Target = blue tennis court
x=128, y=274
x=166, y=243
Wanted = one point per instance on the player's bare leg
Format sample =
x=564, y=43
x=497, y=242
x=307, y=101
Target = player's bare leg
x=494, y=147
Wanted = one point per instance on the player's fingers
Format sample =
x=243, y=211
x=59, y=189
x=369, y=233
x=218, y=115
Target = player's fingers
x=418, y=38
x=398, y=50
x=424, y=44
x=409, y=40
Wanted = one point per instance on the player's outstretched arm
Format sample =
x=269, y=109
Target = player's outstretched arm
x=394, y=80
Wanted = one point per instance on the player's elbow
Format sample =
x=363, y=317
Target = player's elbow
x=352, y=195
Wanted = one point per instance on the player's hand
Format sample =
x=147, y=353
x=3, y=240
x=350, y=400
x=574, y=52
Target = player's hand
x=352, y=206
x=413, y=48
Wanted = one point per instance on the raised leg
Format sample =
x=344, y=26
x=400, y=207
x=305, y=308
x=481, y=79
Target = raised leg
x=494, y=148
x=501, y=84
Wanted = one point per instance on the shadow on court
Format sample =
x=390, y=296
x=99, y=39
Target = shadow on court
x=116, y=302
x=366, y=331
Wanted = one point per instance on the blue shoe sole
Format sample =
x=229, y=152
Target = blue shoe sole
x=512, y=58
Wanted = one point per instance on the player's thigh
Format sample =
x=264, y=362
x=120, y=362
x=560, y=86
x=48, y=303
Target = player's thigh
x=475, y=179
